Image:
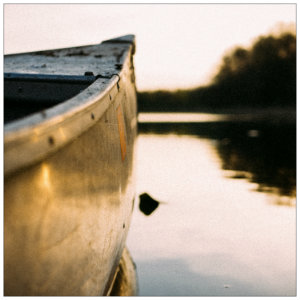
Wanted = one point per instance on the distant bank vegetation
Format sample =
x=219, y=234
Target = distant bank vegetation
x=263, y=76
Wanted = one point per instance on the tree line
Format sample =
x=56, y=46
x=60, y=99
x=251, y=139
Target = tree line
x=260, y=77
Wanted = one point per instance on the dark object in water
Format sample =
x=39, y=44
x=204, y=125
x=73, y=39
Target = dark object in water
x=147, y=204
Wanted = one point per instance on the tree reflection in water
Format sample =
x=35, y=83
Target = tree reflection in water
x=261, y=152
x=269, y=158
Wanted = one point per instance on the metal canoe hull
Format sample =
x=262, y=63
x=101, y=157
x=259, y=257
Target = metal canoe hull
x=67, y=210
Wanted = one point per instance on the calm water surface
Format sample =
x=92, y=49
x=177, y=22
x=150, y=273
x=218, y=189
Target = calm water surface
x=224, y=228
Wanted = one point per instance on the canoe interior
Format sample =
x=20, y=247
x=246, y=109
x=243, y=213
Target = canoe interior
x=25, y=94
x=39, y=80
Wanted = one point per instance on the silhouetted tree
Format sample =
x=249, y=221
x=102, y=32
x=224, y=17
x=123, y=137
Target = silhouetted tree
x=262, y=76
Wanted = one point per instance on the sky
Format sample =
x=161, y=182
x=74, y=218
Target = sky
x=178, y=45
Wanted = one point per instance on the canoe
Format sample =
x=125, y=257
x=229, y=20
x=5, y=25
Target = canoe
x=69, y=170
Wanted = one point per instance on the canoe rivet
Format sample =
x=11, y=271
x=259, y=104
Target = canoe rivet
x=51, y=140
x=118, y=66
x=92, y=116
x=123, y=225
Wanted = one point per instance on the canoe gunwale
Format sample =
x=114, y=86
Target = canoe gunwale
x=43, y=133
x=39, y=131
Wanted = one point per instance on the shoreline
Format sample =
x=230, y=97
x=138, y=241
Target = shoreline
x=277, y=115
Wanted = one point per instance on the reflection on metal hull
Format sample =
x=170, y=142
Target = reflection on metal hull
x=125, y=283
x=69, y=179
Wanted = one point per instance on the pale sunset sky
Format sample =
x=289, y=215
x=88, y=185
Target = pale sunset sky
x=178, y=45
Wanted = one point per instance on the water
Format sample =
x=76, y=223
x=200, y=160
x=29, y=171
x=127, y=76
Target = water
x=227, y=224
